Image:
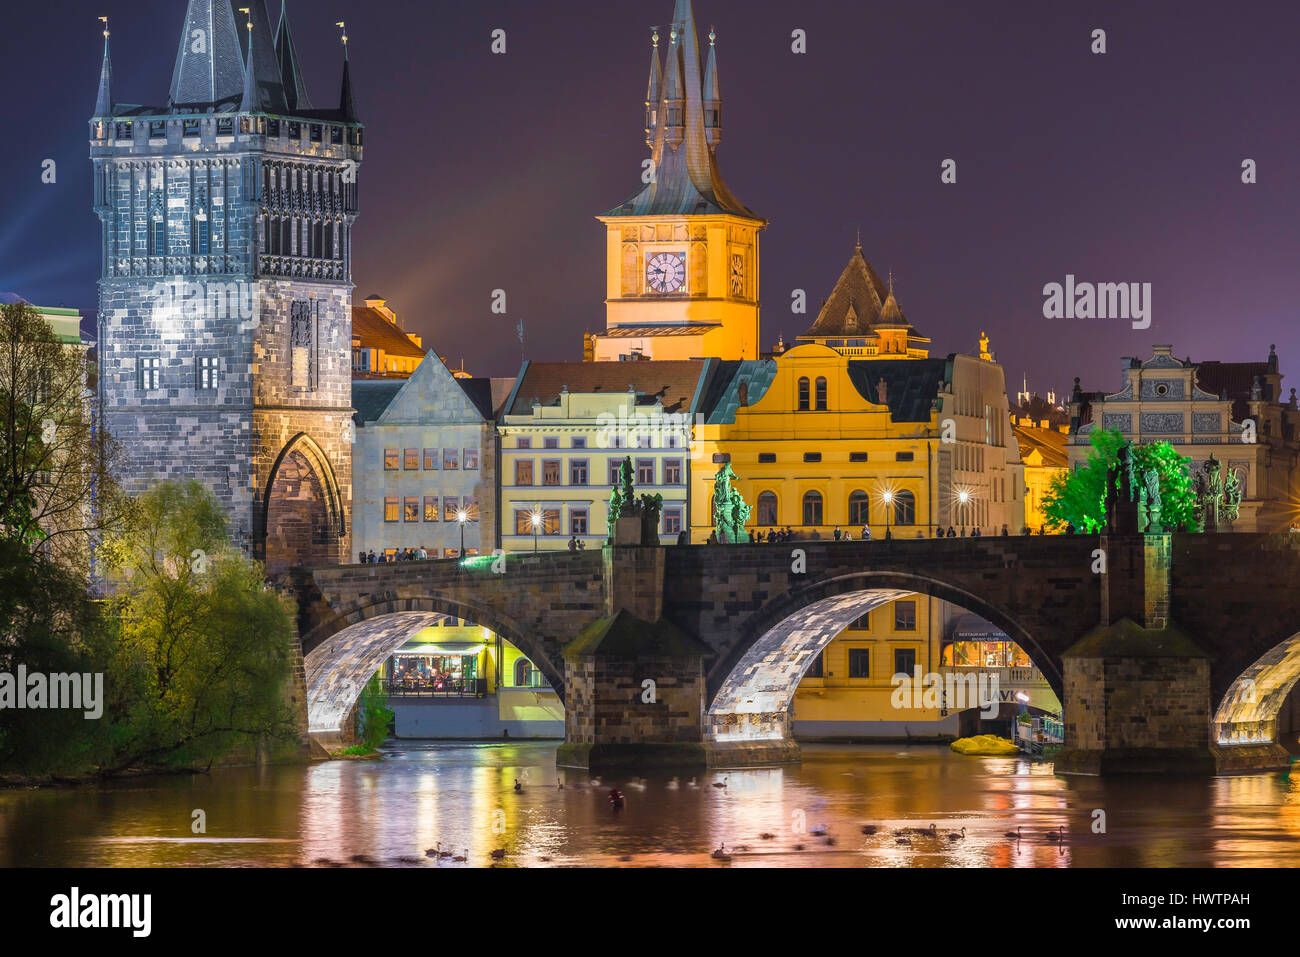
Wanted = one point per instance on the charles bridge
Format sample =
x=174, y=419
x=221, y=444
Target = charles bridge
x=1170, y=652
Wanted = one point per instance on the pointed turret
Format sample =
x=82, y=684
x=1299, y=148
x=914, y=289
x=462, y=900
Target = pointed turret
x=209, y=66
x=347, y=103
x=653, y=91
x=104, y=102
x=249, y=103
x=286, y=54
x=712, y=95
x=674, y=102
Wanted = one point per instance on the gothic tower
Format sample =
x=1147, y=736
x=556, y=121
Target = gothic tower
x=225, y=297
x=682, y=253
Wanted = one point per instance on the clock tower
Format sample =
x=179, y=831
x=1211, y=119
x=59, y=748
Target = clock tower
x=681, y=277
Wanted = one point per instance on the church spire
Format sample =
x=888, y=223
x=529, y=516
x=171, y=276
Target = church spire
x=104, y=102
x=712, y=95
x=653, y=90
x=347, y=103
x=286, y=53
x=674, y=102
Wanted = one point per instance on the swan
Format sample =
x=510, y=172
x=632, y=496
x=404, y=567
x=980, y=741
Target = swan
x=906, y=842
x=869, y=829
x=1057, y=836
x=518, y=787
x=721, y=853
x=673, y=785
x=1014, y=835
x=954, y=836
x=462, y=858
x=766, y=836
x=499, y=853
x=637, y=783
x=691, y=783
x=720, y=784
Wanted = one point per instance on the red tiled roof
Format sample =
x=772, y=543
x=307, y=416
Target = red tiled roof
x=1049, y=442
x=376, y=332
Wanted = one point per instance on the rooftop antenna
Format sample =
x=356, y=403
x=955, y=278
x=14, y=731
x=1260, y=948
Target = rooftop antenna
x=519, y=331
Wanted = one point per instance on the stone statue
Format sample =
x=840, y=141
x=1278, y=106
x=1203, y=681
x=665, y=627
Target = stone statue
x=1209, y=495
x=1124, y=510
x=621, y=502
x=1232, y=496
x=729, y=509
x=651, y=506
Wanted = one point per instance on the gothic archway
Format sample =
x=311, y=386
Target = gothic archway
x=303, y=522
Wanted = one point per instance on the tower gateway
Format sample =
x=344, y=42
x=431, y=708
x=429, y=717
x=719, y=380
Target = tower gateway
x=682, y=253
x=225, y=298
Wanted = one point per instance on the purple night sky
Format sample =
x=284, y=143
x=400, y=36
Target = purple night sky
x=485, y=172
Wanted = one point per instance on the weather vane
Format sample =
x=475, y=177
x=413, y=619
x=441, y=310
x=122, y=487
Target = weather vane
x=249, y=12
x=104, y=21
x=342, y=26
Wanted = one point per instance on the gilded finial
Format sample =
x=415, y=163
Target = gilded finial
x=104, y=21
x=343, y=27
x=859, y=237
x=249, y=12
x=712, y=35
x=654, y=36
x=672, y=33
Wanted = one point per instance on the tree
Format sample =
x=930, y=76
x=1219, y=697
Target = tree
x=206, y=647
x=376, y=716
x=57, y=493
x=1078, y=498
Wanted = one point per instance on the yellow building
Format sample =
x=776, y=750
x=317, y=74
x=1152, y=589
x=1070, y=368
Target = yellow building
x=1043, y=454
x=682, y=255
x=857, y=430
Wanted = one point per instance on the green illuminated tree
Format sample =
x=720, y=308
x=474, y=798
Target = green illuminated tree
x=1078, y=498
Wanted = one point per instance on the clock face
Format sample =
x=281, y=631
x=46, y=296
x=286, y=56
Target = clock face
x=666, y=272
x=737, y=274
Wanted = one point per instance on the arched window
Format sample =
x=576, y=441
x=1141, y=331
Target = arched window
x=821, y=393
x=803, y=394
x=524, y=672
x=859, y=508
x=904, y=508
x=812, y=508
x=767, y=508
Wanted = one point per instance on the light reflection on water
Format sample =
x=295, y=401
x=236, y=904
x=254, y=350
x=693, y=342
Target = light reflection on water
x=461, y=797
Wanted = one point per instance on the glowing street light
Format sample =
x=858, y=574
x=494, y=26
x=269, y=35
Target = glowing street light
x=462, y=516
x=964, y=498
x=888, y=498
x=537, y=525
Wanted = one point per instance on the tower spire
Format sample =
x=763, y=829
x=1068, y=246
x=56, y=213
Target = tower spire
x=712, y=95
x=672, y=113
x=249, y=104
x=653, y=90
x=286, y=54
x=347, y=103
x=104, y=101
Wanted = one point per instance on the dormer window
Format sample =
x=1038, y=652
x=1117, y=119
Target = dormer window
x=295, y=130
x=189, y=127
x=125, y=131
x=272, y=127
x=315, y=132
x=157, y=129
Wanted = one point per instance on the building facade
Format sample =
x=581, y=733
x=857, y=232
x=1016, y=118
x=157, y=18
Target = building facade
x=682, y=253
x=565, y=433
x=424, y=464
x=381, y=346
x=225, y=292
x=1232, y=411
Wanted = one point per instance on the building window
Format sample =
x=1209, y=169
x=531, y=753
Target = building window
x=390, y=508
x=821, y=393
x=470, y=461
x=766, y=458
x=411, y=509
x=523, y=471
x=673, y=471
x=578, y=521
x=390, y=460
x=523, y=442
x=812, y=508
x=201, y=233
x=431, y=508
x=470, y=504
x=206, y=372
x=812, y=456
x=551, y=442
x=720, y=458
x=859, y=662
x=450, y=458
x=857, y=456
x=815, y=669
x=157, y=236
x=645, y=471
x=450, y=508
x=861, y=623
x=550, y=471
x=411, y=459
x=431, y=459
x=578, y=472
x=903, y=456
x=766, y=508
x=526, y=676
x=550, y=521
x=804, y=398
x=905, y=615
x=859, y=508
x=149, y=372
x=904, y=508
x=523, y=522
x=615, y=468
x=672, y=521
x=904, y=661
x=579, y=442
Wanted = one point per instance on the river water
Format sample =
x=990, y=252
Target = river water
x=461, y=796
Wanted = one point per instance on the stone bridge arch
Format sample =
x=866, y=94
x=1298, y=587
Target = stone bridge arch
x=1247, y=713
x=342, y=653
x=751, y=689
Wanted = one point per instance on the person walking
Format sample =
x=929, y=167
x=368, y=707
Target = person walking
x=866, y=533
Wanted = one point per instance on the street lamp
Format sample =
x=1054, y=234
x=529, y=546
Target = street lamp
x=537, y=525
x=462, y=516
x=963, y=497
x=888, y=498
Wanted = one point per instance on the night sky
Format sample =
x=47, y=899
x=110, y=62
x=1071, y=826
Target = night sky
x=485, y=171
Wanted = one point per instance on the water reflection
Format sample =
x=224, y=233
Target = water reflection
x=426, y=805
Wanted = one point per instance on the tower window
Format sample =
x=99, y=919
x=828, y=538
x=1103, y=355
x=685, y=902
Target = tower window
x=206, y=372
x=157, y=129
x=189, y=128
x=149, y=372
x=272, y=127
x=201, y=233
x=225, y=126
x=157, y=236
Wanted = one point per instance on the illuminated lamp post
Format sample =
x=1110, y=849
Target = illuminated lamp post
x=888, y=498
x=537, y=525
x=462, y=516
x=964, y=498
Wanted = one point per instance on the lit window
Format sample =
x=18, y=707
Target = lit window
x=150, y=372
x=411, y=510
x=206, y=372
x=390, y=509
x=411, y=459
x=390, y=459
x=431, y=508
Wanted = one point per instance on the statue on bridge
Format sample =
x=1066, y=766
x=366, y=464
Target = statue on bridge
x=1149, y=505
x=623, y=504
x=1218, y=500
x=1123, y=508
x=730, y=512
